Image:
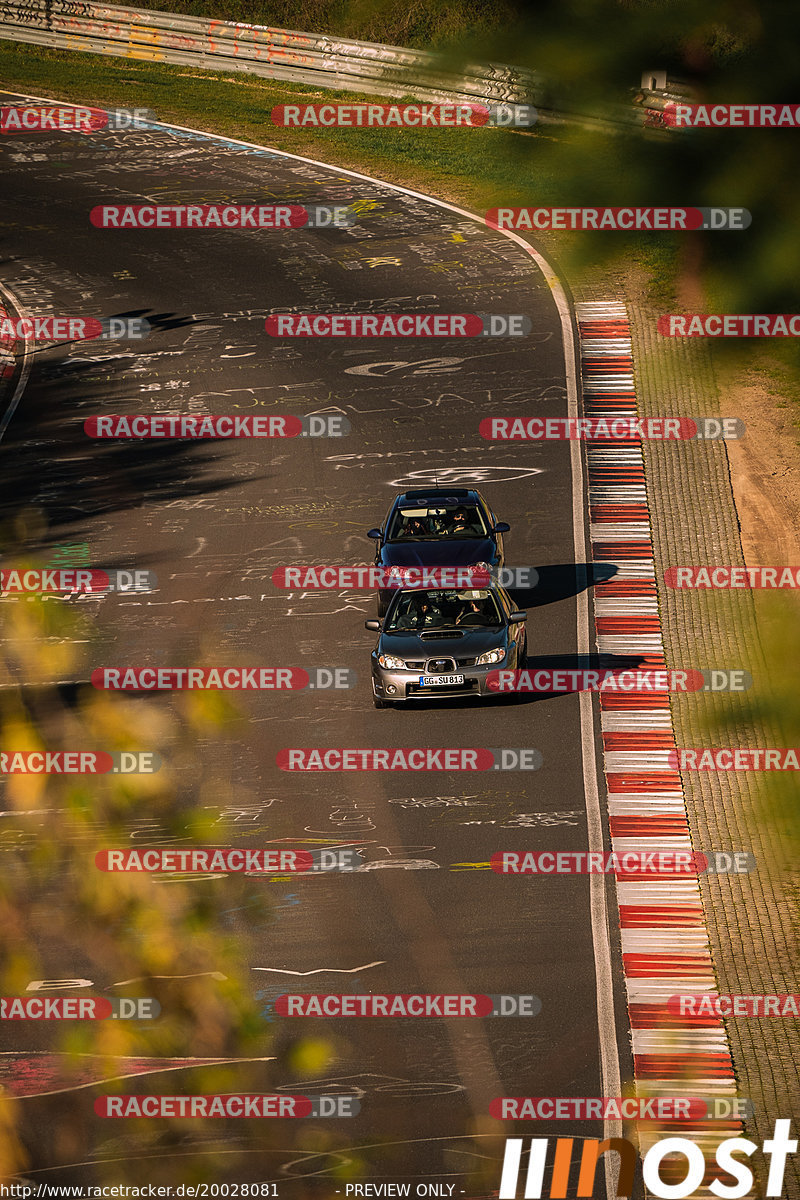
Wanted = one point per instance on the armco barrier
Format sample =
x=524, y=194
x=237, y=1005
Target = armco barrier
x=308, y=58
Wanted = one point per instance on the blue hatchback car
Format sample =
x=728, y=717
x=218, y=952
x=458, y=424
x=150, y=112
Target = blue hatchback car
x=437, y=527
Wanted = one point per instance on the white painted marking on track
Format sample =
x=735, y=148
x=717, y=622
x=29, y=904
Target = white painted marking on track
x=323, y=970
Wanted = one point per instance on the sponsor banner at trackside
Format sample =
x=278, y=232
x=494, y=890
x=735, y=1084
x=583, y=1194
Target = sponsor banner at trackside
x=233, y=1105
x=19, y=580
x=708, y=1004
x=731, y=116
x=730, y=325
x=72, y=329
x=610, y=429
x=620, y=1108
x=464, y=325
x=624, y=219
x=407, y=1005
x=77, y=1008
x=641, y=863
x=17, y=119
x=732, y=577
x=221, y=216
x=178, y=425
x=79, y=762
x=404, y=116
x=233, y=679
x=413, y=758
x=734, y=758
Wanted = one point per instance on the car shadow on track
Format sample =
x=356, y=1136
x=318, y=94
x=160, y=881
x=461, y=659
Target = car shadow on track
x=561, y=581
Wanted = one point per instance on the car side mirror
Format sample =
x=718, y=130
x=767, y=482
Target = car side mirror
x=518, y=615
x=375, y=626
x=375, y=534
x=501, y=527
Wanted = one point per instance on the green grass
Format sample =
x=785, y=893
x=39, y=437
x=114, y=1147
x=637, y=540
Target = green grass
x=443, y=162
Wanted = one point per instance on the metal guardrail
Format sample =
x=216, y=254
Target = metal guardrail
x=307, y=58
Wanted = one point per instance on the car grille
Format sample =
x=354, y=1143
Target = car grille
x=418, y=664
x=440, y=666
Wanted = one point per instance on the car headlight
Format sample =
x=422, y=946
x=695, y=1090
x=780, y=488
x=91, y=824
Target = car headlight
x=491, y=656
x=390, y=663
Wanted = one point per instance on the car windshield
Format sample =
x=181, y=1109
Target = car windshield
x=423, y=523
x=440, y=610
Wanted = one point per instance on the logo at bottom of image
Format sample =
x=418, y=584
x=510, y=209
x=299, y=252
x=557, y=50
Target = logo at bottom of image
x=673, y=1168
x=263, y=1106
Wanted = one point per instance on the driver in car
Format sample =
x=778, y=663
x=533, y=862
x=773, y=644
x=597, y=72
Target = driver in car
x=420, y=614
x=474, y=612
x=461, y=522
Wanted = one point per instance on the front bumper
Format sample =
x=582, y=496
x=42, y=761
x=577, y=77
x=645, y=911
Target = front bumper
x=399, y=686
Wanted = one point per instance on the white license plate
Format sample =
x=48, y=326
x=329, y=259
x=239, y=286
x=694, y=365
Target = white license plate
x=439, y=680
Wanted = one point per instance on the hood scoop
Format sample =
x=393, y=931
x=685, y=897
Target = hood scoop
x=441, y=636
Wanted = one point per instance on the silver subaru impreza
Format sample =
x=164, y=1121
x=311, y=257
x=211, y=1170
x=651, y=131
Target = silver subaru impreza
x=445, y=643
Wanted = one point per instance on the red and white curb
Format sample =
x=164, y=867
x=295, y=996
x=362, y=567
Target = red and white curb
x=665, y=947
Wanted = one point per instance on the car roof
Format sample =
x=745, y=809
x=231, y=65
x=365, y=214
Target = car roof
x=491, y=586
x=468, y=495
